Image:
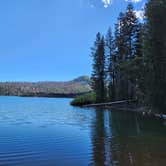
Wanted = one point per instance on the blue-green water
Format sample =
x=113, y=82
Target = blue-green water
x=50, y=132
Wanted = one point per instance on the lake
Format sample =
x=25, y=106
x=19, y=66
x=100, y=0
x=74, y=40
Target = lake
x=50, y=132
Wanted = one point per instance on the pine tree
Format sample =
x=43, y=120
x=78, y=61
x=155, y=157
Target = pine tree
x=119, y=38
x=119, y=42
x=127, y=46
x=131, y=28
x=126, y=32
x=110, y=53
x=155, y=53
x=98, y=73
x=139, y=42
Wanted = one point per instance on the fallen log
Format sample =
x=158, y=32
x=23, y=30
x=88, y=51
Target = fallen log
x=111, y=103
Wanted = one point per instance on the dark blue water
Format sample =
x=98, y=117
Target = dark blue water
x=50, y=132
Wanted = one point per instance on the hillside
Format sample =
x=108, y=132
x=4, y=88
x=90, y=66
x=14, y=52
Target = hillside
x=71, y=88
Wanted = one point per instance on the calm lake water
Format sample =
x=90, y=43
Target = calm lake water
x=50, y=132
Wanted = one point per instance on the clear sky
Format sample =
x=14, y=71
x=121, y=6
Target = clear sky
x=50, y=39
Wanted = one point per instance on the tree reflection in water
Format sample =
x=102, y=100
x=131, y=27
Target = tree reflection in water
x=122, y=138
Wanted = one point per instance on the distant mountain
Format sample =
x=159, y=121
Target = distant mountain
x=83, y=79
x=71, y=88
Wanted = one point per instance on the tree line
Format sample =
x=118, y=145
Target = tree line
x=71, y=88
x=130, y=61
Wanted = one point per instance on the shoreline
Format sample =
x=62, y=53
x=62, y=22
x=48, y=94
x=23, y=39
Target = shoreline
x=128, y=106
x=51, y=95
x=141, y=110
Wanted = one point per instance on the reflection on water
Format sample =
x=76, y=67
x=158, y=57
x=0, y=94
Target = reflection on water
x=49, y=132
x=121, y=138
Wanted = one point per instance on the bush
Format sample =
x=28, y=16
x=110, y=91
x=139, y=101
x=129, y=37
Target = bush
x=89, y=98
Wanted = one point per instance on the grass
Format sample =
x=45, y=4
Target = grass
x=88, y=98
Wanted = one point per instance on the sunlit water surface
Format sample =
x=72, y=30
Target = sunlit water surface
x=50, y=132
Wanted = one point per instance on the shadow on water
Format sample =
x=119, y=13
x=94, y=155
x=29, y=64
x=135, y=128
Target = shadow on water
x=121, y=138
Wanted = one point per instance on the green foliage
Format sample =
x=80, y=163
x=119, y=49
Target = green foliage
x=110, y=64
x=98, y=74
x=127, y=46
x=155, y=54
x=88, y=98
x=116, y=66
x=132, y=63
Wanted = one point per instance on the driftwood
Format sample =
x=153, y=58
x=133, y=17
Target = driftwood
x=111, y=103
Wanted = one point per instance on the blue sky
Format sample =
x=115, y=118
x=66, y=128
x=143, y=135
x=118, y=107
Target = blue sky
x=50, y=39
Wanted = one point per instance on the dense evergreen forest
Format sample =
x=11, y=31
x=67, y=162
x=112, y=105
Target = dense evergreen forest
x=129, y=62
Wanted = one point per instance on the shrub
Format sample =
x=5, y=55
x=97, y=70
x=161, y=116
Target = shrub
x=88, y=98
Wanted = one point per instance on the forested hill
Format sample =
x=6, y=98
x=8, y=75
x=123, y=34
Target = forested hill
x=71, y=88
